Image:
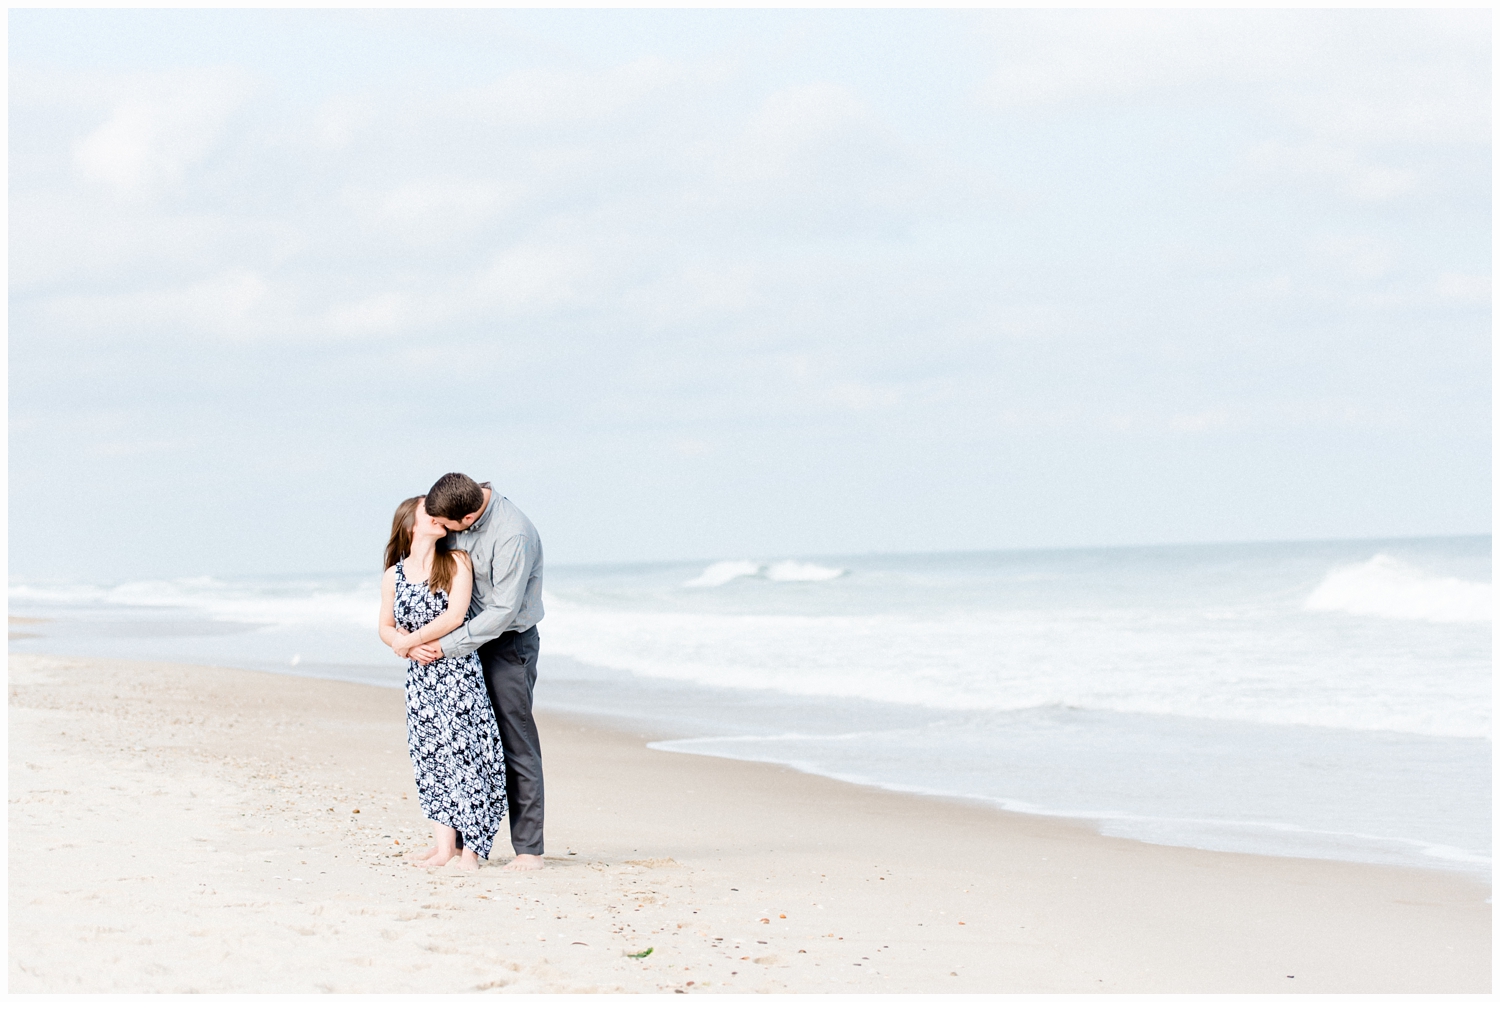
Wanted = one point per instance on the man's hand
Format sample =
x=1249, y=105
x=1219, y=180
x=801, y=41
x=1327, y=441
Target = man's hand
x=426, y=653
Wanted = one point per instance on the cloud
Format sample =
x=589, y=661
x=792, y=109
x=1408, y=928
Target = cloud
x=816, y=158
x=798, y=128
x=776, y=246
x=533, y=278
x=1363, y=257
x=1202, y=421
x=141, y=447
x=1068, y=57
x=1474, y=288
x=1359, y=76
x=1343, y=169
x=525, y=280
x=551, y=97
x=712, y=291
x=386, y=313
x=856, y=396
x=231, y=304
x=160, y=126
x=76, y=238
x=424, y=213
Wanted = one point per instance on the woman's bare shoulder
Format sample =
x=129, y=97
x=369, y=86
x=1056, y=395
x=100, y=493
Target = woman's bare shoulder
x=462, y=557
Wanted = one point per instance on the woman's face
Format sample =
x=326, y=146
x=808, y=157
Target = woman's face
x=424, y=525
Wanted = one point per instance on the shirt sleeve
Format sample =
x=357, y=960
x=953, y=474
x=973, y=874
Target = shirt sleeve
x=509, y=571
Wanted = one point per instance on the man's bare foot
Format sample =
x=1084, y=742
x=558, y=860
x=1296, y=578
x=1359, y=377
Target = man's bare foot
x=468, y=860
x=439, y=858
x=526, y=862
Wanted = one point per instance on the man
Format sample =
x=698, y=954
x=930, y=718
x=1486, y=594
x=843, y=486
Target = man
x=503, y=612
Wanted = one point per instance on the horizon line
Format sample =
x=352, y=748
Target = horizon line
x=11, y=578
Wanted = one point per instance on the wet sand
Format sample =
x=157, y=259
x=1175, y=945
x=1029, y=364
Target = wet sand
x=177, y=828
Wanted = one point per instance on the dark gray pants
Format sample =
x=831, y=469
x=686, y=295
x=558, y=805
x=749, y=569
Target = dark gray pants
x=510, y=674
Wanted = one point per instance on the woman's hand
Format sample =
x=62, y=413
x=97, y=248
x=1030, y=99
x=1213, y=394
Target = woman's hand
x=402, y=642
x=407, y=646
x=426, y=653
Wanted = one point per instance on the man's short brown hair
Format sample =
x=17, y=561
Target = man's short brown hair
x=454, y=496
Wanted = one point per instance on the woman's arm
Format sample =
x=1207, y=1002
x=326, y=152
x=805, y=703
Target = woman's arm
x=458, y=606
x=388, y=630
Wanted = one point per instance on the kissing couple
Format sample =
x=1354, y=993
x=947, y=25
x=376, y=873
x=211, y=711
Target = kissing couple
x=459, y=601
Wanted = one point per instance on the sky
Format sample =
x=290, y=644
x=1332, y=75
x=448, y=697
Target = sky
x=722, y=284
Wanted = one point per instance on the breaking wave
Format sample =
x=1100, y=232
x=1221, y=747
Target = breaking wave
x=1386, y=588
x=276, y=603
x=720, y=573
x=1005, y=661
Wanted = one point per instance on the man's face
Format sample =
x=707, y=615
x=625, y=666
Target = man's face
x=452, y=526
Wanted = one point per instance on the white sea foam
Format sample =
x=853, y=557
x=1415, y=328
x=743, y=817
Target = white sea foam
x=720, y=573
x=801, y=572
x=1126, y=661
x=1384, y=587
x=789, y=571
x=279, y=604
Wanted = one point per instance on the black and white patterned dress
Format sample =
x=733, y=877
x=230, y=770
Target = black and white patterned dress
x=451, y=730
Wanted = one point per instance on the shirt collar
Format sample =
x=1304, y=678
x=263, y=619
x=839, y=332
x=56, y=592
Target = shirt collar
x=489, y=510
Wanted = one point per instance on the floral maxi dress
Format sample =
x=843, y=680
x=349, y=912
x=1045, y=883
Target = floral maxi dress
x=451, y=730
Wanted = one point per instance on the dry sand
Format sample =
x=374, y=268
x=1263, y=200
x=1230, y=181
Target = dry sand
x=178, y=828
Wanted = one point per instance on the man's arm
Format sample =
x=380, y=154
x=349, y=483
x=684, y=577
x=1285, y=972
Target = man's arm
x=510, y=568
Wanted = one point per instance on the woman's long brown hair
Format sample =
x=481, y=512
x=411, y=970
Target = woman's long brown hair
x=399, y=546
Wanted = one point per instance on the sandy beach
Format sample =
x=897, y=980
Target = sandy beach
x=177, y=829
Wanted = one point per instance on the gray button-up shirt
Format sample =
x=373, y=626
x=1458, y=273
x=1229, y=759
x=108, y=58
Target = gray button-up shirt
x=507, y=557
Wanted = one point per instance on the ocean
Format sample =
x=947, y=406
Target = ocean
x=1327, y=700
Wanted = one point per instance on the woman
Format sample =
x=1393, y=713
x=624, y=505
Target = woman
x=450, y=728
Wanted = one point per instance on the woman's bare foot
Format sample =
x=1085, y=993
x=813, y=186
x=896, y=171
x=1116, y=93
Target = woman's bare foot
x=468, y=860
x=424, y=855
x=439, y=858
x=444, y=847
x=526, y=862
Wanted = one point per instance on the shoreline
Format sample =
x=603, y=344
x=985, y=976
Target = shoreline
x=1105, y=691
x=213, y=787
x=1459, y=868
x=668, y=732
